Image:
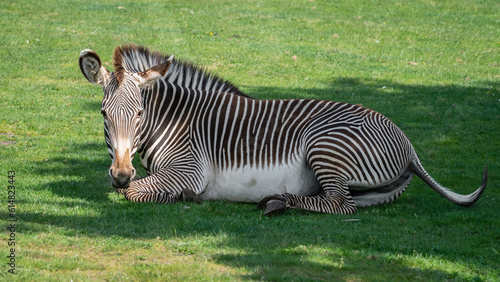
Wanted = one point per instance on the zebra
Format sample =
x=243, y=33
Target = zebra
x=200, y=138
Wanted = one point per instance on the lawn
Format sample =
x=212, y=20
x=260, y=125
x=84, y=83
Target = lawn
x=430, y=66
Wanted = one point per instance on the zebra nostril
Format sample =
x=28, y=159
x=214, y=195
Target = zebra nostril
x=121, y=180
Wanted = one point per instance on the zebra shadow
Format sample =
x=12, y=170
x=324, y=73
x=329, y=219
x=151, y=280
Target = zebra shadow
x=296, y=246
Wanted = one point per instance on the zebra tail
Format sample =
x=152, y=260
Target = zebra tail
x=459, y=199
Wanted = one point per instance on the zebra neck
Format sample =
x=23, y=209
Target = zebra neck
x=168, y=109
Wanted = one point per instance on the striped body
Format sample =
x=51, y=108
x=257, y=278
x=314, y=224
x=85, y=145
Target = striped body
x=199, y=135
x=239, y=144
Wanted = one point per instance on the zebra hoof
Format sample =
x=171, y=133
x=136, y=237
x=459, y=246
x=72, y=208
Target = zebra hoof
x=190, y=196
x=263, y=203
x=274, y=207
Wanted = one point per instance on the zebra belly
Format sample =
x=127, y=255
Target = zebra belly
x=251, y=184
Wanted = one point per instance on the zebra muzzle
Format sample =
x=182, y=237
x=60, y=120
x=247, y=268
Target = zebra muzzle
x=122, y=171
x=121, y=179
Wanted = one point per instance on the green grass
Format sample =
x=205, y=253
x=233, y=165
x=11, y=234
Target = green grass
x=430, y=66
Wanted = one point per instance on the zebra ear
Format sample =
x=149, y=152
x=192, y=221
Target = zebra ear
x=150, y=76
x=92, y=68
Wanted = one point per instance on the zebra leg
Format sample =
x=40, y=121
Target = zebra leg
x=335, y=198
x=186, y=196
x=141, y=192
x=158, y=188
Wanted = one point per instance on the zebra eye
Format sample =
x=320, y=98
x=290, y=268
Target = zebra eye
x=103, y=112
x=139, y=114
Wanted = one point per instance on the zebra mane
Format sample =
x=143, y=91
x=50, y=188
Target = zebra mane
x=133, y=58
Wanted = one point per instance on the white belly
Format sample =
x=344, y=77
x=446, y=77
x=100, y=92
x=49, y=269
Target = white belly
x=250, y=184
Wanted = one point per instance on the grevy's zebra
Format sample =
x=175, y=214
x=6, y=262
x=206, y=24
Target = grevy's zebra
x=199, y=137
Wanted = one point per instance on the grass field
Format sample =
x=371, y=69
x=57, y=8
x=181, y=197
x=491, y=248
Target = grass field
x=430, y=66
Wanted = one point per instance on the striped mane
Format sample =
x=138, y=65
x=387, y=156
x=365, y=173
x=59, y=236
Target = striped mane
x=133, y=58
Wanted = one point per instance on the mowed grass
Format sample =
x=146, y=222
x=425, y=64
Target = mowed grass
x=430, y=66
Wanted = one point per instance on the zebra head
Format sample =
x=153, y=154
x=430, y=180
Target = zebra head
x=121, y=109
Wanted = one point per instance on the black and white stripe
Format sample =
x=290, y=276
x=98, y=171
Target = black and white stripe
x=200, y=133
